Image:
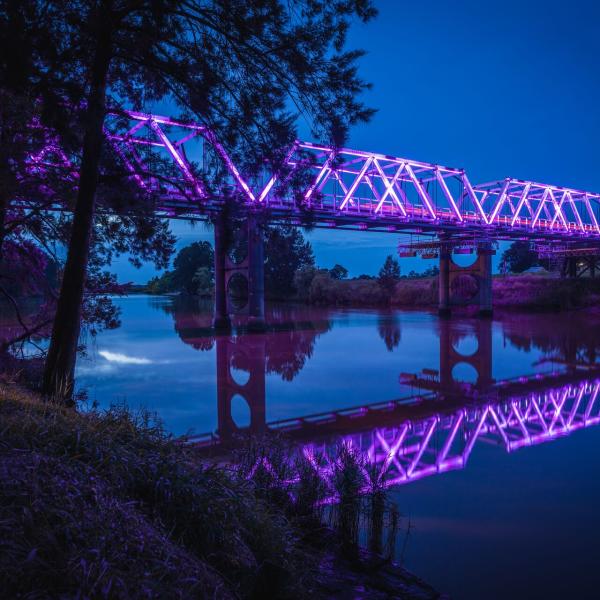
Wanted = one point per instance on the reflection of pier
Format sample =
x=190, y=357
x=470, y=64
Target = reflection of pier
x=444, y=380
x=422, y=434
x=247, y=356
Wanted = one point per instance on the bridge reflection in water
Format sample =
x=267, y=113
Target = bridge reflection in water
x=432, y=429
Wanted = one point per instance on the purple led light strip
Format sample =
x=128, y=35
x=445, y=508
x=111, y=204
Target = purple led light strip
x=361, y=185
x=443, y=442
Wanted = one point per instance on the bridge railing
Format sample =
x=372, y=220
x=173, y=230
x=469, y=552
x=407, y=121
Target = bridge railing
x=514, y=203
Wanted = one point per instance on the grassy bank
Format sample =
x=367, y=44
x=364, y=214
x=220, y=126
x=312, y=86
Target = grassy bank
x=106, y=505
x=526, y=292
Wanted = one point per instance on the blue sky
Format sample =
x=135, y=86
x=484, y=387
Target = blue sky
x=500, y=88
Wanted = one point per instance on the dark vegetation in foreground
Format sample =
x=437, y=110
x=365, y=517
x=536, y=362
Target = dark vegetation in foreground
x=106, y=505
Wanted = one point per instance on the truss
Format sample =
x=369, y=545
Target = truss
x=540, y=207
x=545, y=250
x=444, y=442
x=362, y=190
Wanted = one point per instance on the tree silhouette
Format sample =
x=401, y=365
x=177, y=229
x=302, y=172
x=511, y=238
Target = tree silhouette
x=389, y=275
x=287, y=253
x=519, y=257
x=338, y=272
x=236, y=66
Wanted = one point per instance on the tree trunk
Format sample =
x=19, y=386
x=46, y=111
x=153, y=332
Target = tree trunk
x=3, y=210
x=59, y=370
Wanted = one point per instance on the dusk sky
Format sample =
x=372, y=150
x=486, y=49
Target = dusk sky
x=498, y=88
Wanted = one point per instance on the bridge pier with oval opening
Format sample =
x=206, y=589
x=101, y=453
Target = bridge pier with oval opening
x=242, y=355
x=221, y=319
x=249, y=271
x=452, y=277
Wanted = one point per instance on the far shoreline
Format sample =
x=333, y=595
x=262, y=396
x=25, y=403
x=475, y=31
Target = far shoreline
x=516, y=292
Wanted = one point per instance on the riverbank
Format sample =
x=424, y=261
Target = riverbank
x=518, y=292
x=537, y=293
x=106, y=505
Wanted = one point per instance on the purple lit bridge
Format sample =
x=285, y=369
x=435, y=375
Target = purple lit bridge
x=345, y=189
x=418, y=437
x=444, y=441
x=433, y=429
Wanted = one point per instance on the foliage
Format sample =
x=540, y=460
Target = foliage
x=338, y=272
x=429, y=272
x=286, y=253
x=303, y=279
x=162, y=284
x=519, y=257
x=204, y=281
x=31, y=237
x=196, y=256
x=389, y=274
x=289, y=265
x=236, y=67
x=354, y=292
x=106, y=505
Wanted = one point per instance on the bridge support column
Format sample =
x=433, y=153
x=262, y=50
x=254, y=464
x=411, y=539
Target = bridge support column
x=248, y=354
x=485, y=281
x=256, y=276
x=444, y=282
x=571, y=267
x=221, y=320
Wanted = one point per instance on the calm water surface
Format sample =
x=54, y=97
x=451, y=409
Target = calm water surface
x=489, y=427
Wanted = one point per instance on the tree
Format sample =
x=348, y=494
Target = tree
x=389, y=275
x=389, y=331
x=338, y=272
x=286, y=253
x=235, y=66
x=187, y=262
x=204, y=280
x=519, y=257
x=162, y=284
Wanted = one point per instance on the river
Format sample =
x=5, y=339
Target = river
x=488, y=428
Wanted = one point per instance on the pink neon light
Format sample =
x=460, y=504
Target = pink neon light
x=385, y=177
x=411, y=451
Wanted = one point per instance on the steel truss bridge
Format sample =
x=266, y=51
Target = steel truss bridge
x=444, y=441
x=346, y=188
x=413, y=438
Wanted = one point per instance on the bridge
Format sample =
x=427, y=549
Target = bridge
x=444, y=441
x=438, y=419
x=341, y=188
x=416, y=436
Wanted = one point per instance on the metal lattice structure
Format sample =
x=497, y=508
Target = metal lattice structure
x=347, y=188
x=443, y=442
x=540, y=207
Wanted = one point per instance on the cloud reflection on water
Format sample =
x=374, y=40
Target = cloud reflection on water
x=123, y=359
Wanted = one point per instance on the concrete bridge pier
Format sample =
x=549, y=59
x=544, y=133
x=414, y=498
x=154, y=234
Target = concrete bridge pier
x=252, y=269
x=452, y=275
x=256, y=276
x=221, y=320
x=484, y=258
x=444, y=282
